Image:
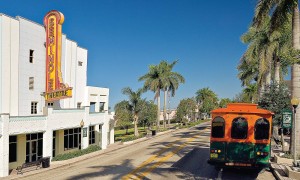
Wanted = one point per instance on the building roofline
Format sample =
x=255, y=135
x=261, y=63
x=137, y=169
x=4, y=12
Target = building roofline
x=36, y=23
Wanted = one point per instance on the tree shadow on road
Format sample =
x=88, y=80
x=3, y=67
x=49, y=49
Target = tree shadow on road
x=194, y=166
x=99, y=172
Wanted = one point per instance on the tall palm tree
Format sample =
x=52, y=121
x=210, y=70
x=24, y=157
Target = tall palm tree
x=259, y=53
x=161, y=77
x=248, y=70
x=154, y=81
x=135, y=105
x=279, y=11
x=171, y=83
x=264, y=54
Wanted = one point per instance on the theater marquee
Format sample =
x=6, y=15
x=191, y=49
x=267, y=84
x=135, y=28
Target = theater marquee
x=55, y=88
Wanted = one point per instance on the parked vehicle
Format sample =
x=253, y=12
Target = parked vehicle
x=240, y=136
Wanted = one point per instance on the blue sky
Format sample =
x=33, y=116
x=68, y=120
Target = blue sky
x=124, y=37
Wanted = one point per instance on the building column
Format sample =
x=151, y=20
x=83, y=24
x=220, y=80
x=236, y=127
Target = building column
x=112, y=132
x=105, y=128
x=4, y=145
x=97, y=138
x=85, y=137
x=47, y=143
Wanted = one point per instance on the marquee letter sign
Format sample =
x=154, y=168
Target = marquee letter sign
x=55, y=88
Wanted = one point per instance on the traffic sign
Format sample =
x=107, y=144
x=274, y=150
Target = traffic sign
x=287, y=118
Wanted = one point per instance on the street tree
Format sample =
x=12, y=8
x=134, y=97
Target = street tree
x=207, y=100
x=123, y=115
x=186, y=110
x=171, y=83
x=154, y=82
x=279, y=11
x=223, y=102
x=161, y=77
x=276, y=100
x=250, y=93
x=135, y=105
x=148, y=114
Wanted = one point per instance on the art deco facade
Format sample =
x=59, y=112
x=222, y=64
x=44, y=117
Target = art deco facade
x=35, y=120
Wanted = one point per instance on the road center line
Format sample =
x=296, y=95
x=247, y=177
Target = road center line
x=165, y=158
x=148, y=161
x=134, y=175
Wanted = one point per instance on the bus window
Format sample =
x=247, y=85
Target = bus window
x=218, y=128
x=239, y=128
x=262, y=128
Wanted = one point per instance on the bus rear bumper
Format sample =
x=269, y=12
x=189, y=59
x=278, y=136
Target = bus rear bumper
x=238, y=164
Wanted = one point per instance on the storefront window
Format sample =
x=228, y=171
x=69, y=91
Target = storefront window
x=239, y=128
x=91, y=135
x=72, y=138
x=218, y=128
x=262, y=128
x=12, y=148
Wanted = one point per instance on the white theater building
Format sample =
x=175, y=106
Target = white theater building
x=31, y=125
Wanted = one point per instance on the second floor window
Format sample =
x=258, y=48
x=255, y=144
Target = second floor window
x=31, y=56
x=33, y=107
x=78, y=105
x=31, y=83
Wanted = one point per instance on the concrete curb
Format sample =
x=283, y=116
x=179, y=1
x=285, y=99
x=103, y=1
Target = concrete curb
x=277, y=171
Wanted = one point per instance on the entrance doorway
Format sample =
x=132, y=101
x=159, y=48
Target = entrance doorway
x=34, y=147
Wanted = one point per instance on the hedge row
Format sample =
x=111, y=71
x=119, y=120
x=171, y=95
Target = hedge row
x=70, y=155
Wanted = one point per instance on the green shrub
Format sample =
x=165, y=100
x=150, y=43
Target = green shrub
x=131, y=138
x=77, y=153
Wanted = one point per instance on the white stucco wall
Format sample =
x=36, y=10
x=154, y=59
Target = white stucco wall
x=97, y=95
x=26, y=125
x=75, y=76
x=9, y=50
x=81, y=75
x=32, y=36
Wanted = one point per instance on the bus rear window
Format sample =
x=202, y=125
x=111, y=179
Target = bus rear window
x=218, y=127
x=262, y=128
x=239, y=128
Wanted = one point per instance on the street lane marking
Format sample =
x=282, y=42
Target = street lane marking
x=165, y=158
x=148, y=161
x=134, y=174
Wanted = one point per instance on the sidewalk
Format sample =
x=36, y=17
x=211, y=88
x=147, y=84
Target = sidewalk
x=59, y=164
x=279, y=165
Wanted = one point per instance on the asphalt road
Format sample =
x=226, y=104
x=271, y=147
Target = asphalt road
x=177, y=155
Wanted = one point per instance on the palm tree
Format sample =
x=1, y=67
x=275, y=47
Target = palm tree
x=264, y=55
x=161, y=77
x=251, y=92
x=154, y=81
x=259, y=54
x=248, y=70
x=206, y=99
x=171, y=83
x=135, y=105
x=279, y=10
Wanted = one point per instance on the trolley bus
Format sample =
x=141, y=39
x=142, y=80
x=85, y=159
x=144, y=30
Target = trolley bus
x=240, y=136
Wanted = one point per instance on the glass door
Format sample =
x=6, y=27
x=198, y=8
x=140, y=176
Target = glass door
x=34, y=147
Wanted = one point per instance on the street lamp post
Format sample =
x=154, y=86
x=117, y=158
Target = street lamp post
x=295, y=103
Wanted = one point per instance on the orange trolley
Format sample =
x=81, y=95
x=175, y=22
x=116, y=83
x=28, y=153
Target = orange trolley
x=240, y=136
